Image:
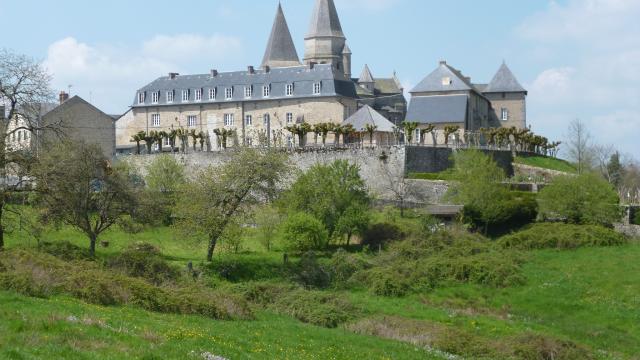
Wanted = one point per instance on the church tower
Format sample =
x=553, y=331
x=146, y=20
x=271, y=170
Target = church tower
x=325, y=42
x=281, y=51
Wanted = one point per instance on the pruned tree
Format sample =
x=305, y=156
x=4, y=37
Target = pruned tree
x=24, y=90
x=371, y=130
x=579, y=149
x=429, y=129
x=77, y=186
x=218, y=195
x=398, y=186
x=409, y=129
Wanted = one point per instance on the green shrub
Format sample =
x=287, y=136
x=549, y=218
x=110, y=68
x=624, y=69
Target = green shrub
x=64, y=250
x=388, y=282
x=303, y=232
x=343, y=266
x=512, y=212
x=309, y=273
x=144, y=261
x=561, y=236
x=317, y=308
x=381, y=234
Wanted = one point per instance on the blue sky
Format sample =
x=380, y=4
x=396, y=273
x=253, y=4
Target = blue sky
x=577, y=58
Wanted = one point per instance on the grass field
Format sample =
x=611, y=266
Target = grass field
x=546, y=162
x=587, y=296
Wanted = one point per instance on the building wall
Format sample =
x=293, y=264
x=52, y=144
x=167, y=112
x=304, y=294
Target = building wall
x=211, y=116
x=424, y=159
x=515, y=103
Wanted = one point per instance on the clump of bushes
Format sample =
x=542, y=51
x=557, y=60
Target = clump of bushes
x=64, y=250
x=513, y=211
x=447, y=256
x=313, y=307
x=144, y=261
x=42, y=275
x=310, y=273
x=303, y=232
x=562, y=236
x=381, y=234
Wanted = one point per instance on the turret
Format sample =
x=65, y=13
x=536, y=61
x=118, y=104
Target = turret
x=325, y=42
x=346, y=61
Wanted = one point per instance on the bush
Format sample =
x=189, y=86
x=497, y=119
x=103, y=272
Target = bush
x=303, y=232
x=388, y=282
x=64, y=250
x=311, y=274
x=562, y=236
x=514, y=211
x=144, y=261
x=382, y=234
x=343, y=266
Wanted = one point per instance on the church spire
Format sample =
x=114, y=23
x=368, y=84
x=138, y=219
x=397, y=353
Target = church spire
x=325, y=42
x=281, y=51
x=325, y=20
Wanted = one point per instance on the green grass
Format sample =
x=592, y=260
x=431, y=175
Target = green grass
x=443, y=175
x=545, y=162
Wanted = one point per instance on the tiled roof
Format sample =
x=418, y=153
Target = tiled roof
x=438, y=109
x=325, y=20
x=281, y=50
x=504, y=81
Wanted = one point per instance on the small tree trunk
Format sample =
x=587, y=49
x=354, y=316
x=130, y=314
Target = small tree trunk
x=1, y=228
x=92, y=245
x=212, y=248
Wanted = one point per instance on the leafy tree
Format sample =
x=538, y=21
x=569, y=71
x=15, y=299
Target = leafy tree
x=354, y=221
x=301, y=131
x=79, y=187
x=409, y=129
x=268, y=220
x=232, y=237
x=583, y=199
x=615, y=170
x=302, y=232
x=165, y=175
x=478, y=186
x=220, y=195
x=326, y=192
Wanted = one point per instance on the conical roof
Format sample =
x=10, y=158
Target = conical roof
x=346, y=49
x=366, y=76
x=368, y=116
x=281, y=51
x=325, y=20
x=504, y=81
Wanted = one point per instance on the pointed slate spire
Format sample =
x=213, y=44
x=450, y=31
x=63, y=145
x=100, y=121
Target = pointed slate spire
x=346, y=50
x=325, y=21
x=366, y=76
x=504, y=81
x=281, y=51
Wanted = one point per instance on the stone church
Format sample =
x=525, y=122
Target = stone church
x=260, y=102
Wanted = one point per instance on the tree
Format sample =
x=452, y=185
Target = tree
x=354, y=221
x=579, y=146
x=326, y=192
x=450, y=130
x=149, y=140
x=194, y=139
x=429, y=129
x=371, y=130
x=582, y=199
x=303, y=232
x=79, y=187
x=409, y=129
x=138, y=138
x=24, y=88
x=301, y=131
x=323, y=130
x=267, y=220
x=219, y=195
x=478, y=186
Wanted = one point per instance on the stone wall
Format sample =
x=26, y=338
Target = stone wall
x=382, y=168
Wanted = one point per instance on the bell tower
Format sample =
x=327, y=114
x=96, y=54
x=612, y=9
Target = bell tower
x=325, y=42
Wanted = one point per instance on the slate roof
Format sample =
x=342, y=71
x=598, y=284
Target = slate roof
x=438, y=109
x=325, y=20
x=346, y=49
x=281, y=50
x=434, y=82
x=333, y=83
x=367, y=115
x=504, y=81
x=366, y=76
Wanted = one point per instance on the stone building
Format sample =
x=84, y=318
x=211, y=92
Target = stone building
x=446, y=97
x=259, y=103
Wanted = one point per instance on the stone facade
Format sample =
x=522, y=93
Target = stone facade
x=515, y=106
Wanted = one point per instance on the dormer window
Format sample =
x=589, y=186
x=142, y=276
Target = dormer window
x=185, y=95
x=248, y=91
x=198, y=94
x=446, y=81
x=170, y=95
x=288, y=90
x=155, y=97
x=266, y=91
x=317, y=88
x=141, y=97
x=228, y=93
x=212, y=94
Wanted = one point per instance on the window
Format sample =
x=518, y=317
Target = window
x=289, y=118
x=504, y=114
x=288, y=90
x=155, y=97
x=266, y=91
x=248, y=120
x=166, y=141
x=192, y=121
x=141, y=97
x=418, y=139
x=20, y=134
x=266, y=120
x=317, y=88
x=228, y=119
x=155, y=120
x=170, y=95
x=446, y=81
x=228, y=93
x=198, y=94
x=185, y=95
x=248, y=91
x=212, y=94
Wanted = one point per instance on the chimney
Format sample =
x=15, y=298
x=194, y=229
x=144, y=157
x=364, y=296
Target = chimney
x=443, y=62
x=251, y=69
x=267, y=69
x=63, y=97
x=468, y=79
x=312, y=65
x=173, y=75
x=214, y=73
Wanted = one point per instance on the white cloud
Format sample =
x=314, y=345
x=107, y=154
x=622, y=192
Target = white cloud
x=109, y=75
x=597, y=43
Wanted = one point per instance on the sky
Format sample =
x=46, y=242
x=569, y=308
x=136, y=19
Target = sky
x=579, y=59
